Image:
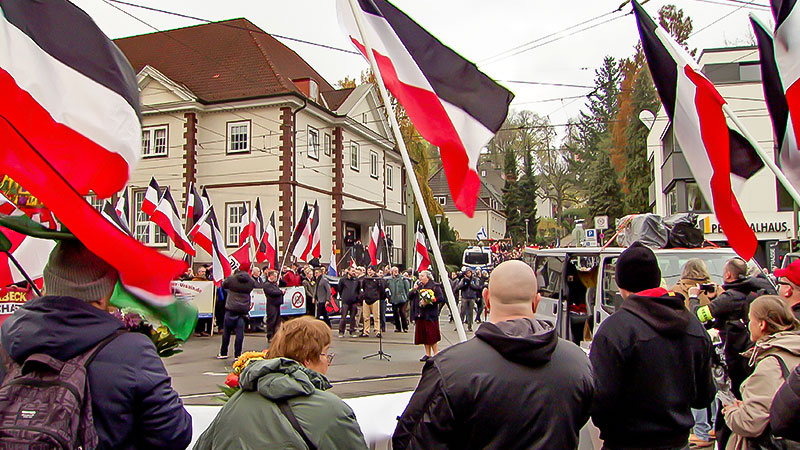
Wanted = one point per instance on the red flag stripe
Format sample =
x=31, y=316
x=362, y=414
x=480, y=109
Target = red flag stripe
x=121, y=251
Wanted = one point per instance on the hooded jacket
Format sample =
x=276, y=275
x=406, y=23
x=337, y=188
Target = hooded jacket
x=751, y=418
x=251, y=418
x=398, y=289
x=238, y=287
x=499, y=391
x=133, y=403
x=652, y=363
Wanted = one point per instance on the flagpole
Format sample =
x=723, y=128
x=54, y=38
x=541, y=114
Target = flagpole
x=764, y=157
x=426, y=220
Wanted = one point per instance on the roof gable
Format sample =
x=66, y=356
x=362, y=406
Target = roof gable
x=156, y=89
x=222, y=61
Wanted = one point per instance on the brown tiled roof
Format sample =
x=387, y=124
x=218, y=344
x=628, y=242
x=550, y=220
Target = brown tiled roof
x=222, y=61
x=337, y=97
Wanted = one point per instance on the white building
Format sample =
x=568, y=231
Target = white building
x=736, y=73
x=229, y=108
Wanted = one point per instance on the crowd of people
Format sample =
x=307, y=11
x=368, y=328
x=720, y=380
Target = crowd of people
x=653, y=378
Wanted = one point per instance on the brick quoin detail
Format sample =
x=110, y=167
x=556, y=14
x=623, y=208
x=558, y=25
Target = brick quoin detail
x=285, y=179
x=189, y=154
x=338, y=188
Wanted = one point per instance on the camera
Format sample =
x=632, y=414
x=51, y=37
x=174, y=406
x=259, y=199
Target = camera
x=707, y=287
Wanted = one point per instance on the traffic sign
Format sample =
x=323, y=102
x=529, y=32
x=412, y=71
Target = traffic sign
x=601, y=222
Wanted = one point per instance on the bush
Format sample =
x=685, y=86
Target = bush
x=453, y=252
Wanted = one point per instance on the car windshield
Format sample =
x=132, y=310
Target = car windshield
x=476, y=258
x=671, y=264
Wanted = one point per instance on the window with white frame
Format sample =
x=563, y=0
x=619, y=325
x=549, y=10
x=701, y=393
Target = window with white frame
x=389, y=177
x=239, y=137
x=94, y=201
x=235, y=216
x=373, y=164
x=154, y=141
x=442, y=199
x=327, y=144
x=143, y=230
x=313, y=143
x=355, y=154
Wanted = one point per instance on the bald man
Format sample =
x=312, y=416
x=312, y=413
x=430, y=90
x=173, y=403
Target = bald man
x=500, y=389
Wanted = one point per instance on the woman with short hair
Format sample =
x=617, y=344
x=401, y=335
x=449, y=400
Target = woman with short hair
x=776, y=333
x=695, y=273
x=425, y=298
x=284, y=401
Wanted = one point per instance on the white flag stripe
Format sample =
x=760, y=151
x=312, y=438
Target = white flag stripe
x=787, y=48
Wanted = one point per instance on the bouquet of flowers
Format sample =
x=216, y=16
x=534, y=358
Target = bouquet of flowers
x=232, y=381
x=426, y=297
x=166, y=343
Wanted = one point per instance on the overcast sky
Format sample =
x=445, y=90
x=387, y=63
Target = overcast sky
x=477, y=29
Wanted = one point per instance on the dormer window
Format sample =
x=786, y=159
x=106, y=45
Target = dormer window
x=313, y=90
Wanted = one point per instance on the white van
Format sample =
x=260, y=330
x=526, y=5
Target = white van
x=577, y=284
x=477, y=258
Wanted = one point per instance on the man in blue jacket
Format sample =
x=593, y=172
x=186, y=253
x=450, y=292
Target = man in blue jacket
x=133, y=403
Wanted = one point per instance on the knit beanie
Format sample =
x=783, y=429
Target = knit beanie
x=74, y=271
x=637, y=269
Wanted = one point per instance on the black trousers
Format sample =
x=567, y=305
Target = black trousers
x=234, y=323
x=219, y=314
x=399, y=313
x=352, y=310
x=273, y=320
x=322, y=313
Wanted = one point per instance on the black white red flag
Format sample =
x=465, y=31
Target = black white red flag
x=196, y=205
x=152, y=197
x=70, y=126
x=255, y=227
x=776, y=93
x=111, y=214
x=268, y=245
x=313, y=249
x=422, y=261
x=240, y=259
x=720, y=159
x=123, y=206
x=453, y=105
x=206, y=234
x=167, y=217
x=301, y=238
x=377, y=243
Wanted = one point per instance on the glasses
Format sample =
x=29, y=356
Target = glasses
x=329, y=356
x=784, y=283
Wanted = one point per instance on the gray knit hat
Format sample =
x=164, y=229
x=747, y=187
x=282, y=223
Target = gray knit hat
x=74, y=271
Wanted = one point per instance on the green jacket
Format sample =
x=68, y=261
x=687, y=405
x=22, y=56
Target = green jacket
x=252, y=420
x=399, y=287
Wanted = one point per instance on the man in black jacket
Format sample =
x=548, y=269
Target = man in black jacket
x=237, y=308
x=470, y=287
x=515, y=385
x=274, y=296
x=373, y=292
x=133, y=403
x=349, y=289
x=651, y=361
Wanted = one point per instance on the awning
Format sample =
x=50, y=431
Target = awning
x=370, y=215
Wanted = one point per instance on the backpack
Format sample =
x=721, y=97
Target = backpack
x=767, y=440
x=45, y=404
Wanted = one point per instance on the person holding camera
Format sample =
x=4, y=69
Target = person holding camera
x=470, y=288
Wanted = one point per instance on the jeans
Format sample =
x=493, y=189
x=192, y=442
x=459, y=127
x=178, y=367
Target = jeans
x=703, y=421
x=273, y=320
x=353, y=311
x=400, y=321
x=233, y=323
x=376, y=313
x=467, y=308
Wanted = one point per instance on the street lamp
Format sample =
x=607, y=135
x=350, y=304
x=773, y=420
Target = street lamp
x=526, y=230
x=438, y=218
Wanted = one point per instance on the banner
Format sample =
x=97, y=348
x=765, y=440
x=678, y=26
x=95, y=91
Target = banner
x=259, y=306
x=11, y=299
x=201, y=294
x=294, y=301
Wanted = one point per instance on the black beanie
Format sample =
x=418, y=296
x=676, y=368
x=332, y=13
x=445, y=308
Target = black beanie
x=637, y=269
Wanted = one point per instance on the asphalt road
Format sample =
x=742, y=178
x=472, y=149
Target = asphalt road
x=196, y=373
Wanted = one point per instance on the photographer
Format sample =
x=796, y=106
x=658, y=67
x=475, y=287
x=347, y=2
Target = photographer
x=470, y=288
x=729, y=311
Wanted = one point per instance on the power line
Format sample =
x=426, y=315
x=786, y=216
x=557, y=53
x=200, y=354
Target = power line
x=544, y=83
x=199, y=19
x=744, y=4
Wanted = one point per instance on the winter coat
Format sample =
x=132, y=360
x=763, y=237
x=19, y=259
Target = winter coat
x=310, y=287
x=751, y=418
x=652, y=363
x=349, y=290
x=682, y=287
x=498, y=391
x=398, y=289
x=470, y=288
x=251, y=418
x=238, y=287
x=133, y=402
x=373, y=289
x=291, y=279
x=322, y=291
x=274, y=293
x=428, y=312
x=784, y=414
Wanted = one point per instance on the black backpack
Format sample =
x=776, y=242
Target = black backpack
x=45, y=404
x=767, y=440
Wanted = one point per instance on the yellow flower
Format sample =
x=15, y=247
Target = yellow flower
x=245, y=359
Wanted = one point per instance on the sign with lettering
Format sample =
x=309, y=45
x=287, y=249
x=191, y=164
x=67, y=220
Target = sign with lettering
x=11, y=299
x=199, y=293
